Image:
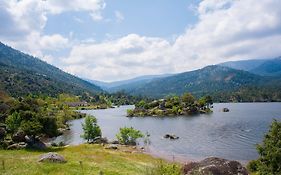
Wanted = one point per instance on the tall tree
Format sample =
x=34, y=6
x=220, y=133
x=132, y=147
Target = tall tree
x=91, y=129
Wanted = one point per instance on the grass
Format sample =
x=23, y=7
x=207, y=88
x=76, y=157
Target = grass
x=82, y=159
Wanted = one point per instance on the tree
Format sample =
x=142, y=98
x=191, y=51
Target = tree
x=128, y=136
x=188, y=98
x=31, y=128
x=13, y=122
x=270, y=152
x=91, y=129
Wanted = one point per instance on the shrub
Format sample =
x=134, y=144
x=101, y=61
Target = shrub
x=13, y=122
x=252, y=166
x=270, y=152
x=91, y=129
x=128, y=136
x=164, y=169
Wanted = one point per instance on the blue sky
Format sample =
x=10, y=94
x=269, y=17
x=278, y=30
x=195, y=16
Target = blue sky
x=111, y=40
x=158, y=18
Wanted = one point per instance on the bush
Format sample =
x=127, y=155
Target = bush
x=252, y=166
x=270, y=152
x=128, y=136
x=164, y=169
x=13, y=122
x=91, y=129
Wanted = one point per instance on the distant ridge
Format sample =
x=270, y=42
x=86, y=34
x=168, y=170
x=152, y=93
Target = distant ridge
x=127, y=84
x=264, y=67
x=223, y=83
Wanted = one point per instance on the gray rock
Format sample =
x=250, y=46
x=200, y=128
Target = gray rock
x=16, y=146
x=112, y=146
x=215, y=166
x=29, y=139
x=99, y=140
x=18, y=137
x=52, y=157
x=225, y=110
x=171, y=136
x=114, y=142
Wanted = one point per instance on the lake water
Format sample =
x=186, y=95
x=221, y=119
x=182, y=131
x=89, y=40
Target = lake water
x=230, y=135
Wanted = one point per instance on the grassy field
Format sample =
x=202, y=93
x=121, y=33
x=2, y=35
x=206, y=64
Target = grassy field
x=82, y=159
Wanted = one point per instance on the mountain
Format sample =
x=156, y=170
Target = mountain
x=127, y=84
x=211, y=80
x=264, y=67
x=22, y=74
x=245, y=65
x=269, y=68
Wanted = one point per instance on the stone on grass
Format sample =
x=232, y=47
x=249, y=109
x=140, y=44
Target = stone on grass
x=16, y=146
x=111, y=146
x=52, y=157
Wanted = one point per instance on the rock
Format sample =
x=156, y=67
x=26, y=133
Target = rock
x=112, y=146
x=8, y=141
x=16, y=146
x=28, y=139
x=171, y=136
x=2, y=133
x=38, y=145
x=215, y=166
x=52, y=157
x=114, y=142
x=225, y=110
x=18, y=137
x=99, y=140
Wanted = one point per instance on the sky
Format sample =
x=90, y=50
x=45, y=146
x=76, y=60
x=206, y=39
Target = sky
x=111, y=40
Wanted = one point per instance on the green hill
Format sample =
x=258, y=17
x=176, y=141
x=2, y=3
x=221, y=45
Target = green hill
x=217, y=81
x=22, y=74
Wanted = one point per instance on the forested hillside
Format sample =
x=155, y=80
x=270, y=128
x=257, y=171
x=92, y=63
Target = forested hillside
x=223, y=83
x=22, y=74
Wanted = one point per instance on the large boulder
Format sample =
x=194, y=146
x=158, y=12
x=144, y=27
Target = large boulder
x=18, y=137
x=16, y=146
x=52, y=157
x=215, y=166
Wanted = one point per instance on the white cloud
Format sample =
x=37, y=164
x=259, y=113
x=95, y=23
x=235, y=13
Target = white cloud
x=226, y=30
x=53, y=42
x=119, y=16
x=123, y=58
x=22, y=22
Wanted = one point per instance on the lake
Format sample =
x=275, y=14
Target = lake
x=230, y=135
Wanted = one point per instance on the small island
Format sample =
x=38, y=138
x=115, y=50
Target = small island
x=186, y=104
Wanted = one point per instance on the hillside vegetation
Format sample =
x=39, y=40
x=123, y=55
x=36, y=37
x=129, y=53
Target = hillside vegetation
x=22, y=74
x=222, y=83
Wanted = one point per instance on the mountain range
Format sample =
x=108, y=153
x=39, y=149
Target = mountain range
x=250, y=80
x=228, y=81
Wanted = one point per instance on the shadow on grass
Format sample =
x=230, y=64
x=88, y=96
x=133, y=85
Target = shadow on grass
x=49, y=149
